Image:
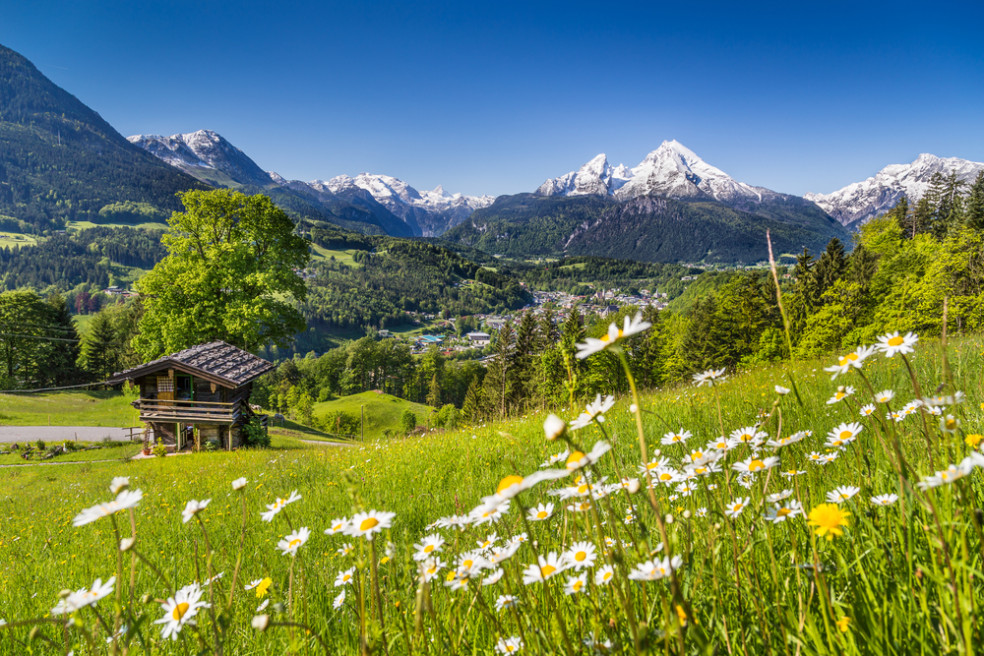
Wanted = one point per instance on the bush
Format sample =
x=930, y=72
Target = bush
x=40, y=445
x=408, y=421
x=254, y=435
x=159, y=449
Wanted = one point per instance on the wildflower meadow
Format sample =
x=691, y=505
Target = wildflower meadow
x=829, y=507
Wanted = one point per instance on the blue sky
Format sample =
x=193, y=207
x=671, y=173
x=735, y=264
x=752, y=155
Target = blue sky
x=494, y=97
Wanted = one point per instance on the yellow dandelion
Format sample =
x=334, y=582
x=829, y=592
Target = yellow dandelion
x=828, y=520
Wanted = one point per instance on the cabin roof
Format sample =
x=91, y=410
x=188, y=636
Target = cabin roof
x=218, y=362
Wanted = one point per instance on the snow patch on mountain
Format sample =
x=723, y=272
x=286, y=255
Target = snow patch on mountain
x=435, y=210
x=671, y=170
x=860, y=201
x=202, y=150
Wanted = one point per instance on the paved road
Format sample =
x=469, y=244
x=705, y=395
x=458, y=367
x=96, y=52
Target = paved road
x=10, y=434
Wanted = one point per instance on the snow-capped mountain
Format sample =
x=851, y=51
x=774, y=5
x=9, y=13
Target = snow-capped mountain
x=596, y=178
x=672, y=170
x=860, y=201
x=211, y=158
x=433, y=211
x=202, y=153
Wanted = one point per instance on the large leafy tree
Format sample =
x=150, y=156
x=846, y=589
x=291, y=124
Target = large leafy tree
x=231, y=273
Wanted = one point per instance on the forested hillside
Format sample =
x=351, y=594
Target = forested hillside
x=648, y=228
x=394, y=276
x=61, y=161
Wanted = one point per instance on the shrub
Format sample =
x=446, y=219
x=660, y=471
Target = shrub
x=159, y=449
x=254, y=435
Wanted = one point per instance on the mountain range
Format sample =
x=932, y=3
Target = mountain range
x=397, y=208
x=60, y=161
x=860, y=201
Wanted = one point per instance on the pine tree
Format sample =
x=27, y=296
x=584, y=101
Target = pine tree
x=648, y=355
x=974, y=215
x=521, y=365
x=496, y=386
x=901, y=213
x=62, y=351
x=921, y=219
x=99, y=353
x=471, y=408
x=434, y=393
x=830, y=267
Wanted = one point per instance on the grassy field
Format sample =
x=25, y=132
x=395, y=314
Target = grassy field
x=87, y=408
x=87, y=453
x=342, y=257
x=382, y=411
x=150, y=225
x=898, y=579
x=16, y=240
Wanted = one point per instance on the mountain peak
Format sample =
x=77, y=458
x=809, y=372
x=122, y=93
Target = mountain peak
x=860, y=201
x=202, y=153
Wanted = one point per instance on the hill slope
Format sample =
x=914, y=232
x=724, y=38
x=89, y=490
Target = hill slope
x=382, y=412
x=61, y=161
x=647, y=228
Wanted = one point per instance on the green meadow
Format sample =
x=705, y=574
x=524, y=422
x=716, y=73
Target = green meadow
x=382, y=411
x=688, y=572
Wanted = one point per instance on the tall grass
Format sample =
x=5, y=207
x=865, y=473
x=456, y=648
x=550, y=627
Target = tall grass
x=903, y=578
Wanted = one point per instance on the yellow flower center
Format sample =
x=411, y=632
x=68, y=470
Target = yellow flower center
x=508, y=482
x=468, y=563
x=898, y=340
x=510, y=648
x=547, y=570
x=179, y=611
x=580, y=556
x=607, y=575
x=582, y=489
x=542, y=514
x=296, y=542
x=574, y=458
x=263, y=586
x=696, y=455
x=840, y=395
x=451, y=576
x=368, y=523
x=736, y=507
x=847, y=359
x=951, y=424
x=577, y=585
x=782, y=512
x=665, y=476
x=756, y=465
x=845, y=435
x=429, y=548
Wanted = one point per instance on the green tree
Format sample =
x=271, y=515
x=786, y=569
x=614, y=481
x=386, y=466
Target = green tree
x=974, y=216
x=434, y=393
x=471, y=408
x=99, y=352
x=408, y=421
x=230, y=274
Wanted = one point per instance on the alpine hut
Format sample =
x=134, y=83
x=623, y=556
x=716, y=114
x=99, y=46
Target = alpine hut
x=205, y=387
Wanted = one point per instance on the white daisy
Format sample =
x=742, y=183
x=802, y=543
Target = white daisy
x=893, y=343
x=369, y=523
x=575, y=584
x=884, y=499
x=278, y=505
x=345, y=577
x=710, y=377
x=581, y=555
x=852, y=360
x=735, y=507
x=427, y=547
x=654, y=570
x=193, y=508
x=540, y=512
x=604, y=575
x=614, y=336
x=294, y=541
x=509, y=645
x=180, y=610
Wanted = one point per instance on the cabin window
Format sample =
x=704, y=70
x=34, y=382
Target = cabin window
x=183, y=388
x=164, y=384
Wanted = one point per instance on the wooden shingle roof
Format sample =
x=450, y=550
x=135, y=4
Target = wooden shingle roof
x=218, y=362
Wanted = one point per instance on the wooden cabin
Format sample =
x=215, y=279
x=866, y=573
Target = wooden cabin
x=205, y=387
